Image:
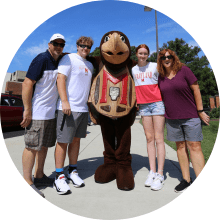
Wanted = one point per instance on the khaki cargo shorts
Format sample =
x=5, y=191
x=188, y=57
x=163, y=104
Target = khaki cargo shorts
x=40, y=133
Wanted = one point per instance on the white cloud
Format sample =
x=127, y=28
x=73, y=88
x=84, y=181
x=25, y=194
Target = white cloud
x=167, y=28
x=193, y=43
x=71, y=48
x=161, y=26
x=35, y=50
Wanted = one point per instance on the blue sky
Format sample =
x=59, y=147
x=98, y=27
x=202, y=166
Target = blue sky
x=98, y=18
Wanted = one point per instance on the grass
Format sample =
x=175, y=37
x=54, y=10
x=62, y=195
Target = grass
x=209, y=136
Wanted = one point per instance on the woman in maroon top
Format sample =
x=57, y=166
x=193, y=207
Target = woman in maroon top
x=183, y=111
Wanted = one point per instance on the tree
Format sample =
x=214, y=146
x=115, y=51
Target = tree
x=199, y=66
x=133, y=53
x=95, y=53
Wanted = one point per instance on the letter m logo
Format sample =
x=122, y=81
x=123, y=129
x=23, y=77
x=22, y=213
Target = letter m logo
x=123, y=78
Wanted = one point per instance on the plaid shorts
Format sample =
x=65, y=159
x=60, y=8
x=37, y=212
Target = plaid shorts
x=40, y=133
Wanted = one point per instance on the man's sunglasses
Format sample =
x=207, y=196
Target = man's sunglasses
x=55, y=44
x=84, y=46
x=164, y=57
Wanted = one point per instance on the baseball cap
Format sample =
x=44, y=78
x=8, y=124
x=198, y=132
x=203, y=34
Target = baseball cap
x=57, y=36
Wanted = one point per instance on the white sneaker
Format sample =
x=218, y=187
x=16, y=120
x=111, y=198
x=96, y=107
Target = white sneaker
x=150, y=178
x=76, y=180
x=158, y=182
x=61, y=185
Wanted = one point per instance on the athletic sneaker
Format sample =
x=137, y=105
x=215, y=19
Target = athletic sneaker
x=182, y=186
x=76, y=180
x=158, y=182
x=61, y=185
x=150, y=178
x=37, y=190
x=44, y=181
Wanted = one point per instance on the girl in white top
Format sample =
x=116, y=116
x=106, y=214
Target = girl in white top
x=152, y=110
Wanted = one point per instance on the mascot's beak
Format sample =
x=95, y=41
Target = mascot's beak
x=114, y=49
x=116, y=42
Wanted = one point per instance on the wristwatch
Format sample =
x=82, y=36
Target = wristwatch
x=200, y=110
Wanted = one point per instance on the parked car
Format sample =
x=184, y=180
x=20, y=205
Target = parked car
x=11, y=110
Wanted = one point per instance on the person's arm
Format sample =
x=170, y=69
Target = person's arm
x=198, y=99
x=27, y=92
x=61, y=86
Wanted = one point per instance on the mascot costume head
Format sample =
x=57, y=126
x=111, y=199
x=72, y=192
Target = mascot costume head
x=112, y=104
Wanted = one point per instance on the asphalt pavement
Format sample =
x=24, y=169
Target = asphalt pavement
x=98, y=200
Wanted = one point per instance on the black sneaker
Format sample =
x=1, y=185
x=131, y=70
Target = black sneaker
x=44, y=181
x=182, y=186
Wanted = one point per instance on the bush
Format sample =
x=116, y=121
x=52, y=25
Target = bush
x=215, y=113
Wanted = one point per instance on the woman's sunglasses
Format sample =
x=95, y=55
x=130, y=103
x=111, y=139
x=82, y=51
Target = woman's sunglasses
x=164, y=57
x=84, y=46
x=55, y=44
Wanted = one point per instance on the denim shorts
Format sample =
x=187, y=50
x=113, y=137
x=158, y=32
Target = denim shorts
x=149, y=109
x=184, y=129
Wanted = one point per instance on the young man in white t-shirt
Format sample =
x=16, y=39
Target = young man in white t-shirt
x=73, y=83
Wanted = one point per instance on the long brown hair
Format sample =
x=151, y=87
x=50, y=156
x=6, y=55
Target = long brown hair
x=176, y=66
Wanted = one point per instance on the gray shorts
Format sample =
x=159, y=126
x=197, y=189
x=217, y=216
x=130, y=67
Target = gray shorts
x=184, y=129
x=40, y=133
x=75, y=126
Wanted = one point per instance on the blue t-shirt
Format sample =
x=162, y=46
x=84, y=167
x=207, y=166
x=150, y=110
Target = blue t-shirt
x=43, y=69
x=43, y=61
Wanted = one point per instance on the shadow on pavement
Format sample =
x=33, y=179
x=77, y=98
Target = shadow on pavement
x=87, y=167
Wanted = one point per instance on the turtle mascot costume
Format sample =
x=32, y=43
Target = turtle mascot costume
x=112, y=104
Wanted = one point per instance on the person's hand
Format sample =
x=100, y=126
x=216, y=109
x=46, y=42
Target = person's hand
x=27, y=117
x=66, y=108
x=203, y=116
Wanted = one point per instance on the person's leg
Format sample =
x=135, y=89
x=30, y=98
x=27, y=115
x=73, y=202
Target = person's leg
x=183, y=158
x=60, y=154
x=40, y=161
x=158, y=123
x=28, y=159
x=149, y=132
x=196, y=156
x=73, y=150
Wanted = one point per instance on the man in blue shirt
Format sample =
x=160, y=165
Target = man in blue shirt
x=39, y=95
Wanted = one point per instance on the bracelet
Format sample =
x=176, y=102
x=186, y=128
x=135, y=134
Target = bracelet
x=200, y=110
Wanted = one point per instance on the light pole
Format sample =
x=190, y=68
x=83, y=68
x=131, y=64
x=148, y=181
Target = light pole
x=146, y=8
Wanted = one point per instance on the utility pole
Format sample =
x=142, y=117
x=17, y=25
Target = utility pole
x=146, y=8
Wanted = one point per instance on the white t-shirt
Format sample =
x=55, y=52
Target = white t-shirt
x=79, y=73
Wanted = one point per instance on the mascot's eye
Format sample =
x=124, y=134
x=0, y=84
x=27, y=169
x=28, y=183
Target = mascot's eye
x=106, y=38
x=122, y=38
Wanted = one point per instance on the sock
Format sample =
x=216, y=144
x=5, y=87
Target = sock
x=72, y=167
x=59, y=171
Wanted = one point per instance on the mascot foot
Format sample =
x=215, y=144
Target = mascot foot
x=125, y=178
x=105, y=173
